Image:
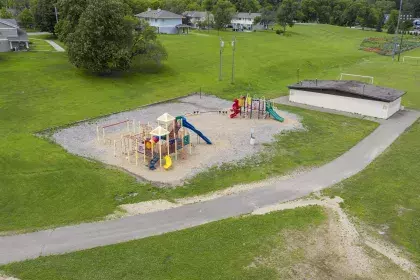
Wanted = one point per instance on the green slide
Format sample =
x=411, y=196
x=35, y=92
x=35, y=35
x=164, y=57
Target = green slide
x=274, y=114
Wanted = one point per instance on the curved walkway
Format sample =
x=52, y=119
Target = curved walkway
x=90, y=235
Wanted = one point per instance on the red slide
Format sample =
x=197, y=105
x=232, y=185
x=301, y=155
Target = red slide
x=235, y=109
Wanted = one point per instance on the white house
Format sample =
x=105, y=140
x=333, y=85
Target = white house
x=244, y=21
x=197, y=16
x=11, y=36
x=348, y=96
x=164, y=21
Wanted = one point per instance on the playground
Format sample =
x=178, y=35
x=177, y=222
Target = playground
x=173, y=141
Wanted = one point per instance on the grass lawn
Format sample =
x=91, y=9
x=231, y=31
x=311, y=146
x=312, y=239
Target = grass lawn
x=222, y=250
x=41, y=185
x=39, y=45
x=386, y=195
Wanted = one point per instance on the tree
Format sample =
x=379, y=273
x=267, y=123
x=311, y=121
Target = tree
x=26, y=18
x=246, y=5
x=286, y=13
x=391, y=23
x=107, y=38
x=70, y=13
x=309, y=11
x=44, y=15
x=4, y=13
x=268, y=16
x=223, y=12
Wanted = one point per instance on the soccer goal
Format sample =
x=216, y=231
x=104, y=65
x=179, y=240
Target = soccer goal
x=361, y=78
x=411, y=59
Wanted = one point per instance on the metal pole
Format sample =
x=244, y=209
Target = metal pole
x=298, y=70
x=399, y=53
x=396, y=31
x=233, y=58
x=56, y=14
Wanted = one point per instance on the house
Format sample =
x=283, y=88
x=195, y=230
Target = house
x=195, y=17
x=12, y=37
x=164, y=21
x=348, y=96
x=245, y=21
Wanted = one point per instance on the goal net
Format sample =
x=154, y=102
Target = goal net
x=412, y=59
x=354, y=77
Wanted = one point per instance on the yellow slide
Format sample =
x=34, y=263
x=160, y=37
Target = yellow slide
x=168, y=162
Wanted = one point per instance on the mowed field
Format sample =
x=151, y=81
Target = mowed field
x=41, y=185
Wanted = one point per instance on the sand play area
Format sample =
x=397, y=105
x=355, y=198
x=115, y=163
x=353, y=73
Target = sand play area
x=230, y=137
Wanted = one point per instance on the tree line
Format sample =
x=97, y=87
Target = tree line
x=366, y=13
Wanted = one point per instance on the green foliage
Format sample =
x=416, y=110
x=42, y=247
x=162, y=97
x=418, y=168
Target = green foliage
x=392, y=22
x=70, y=13
x=223, y=12
x=26, y=18
x=246, y=5
x=103, y=37
x=44, y=15
x=4, y=13
x=287, y=12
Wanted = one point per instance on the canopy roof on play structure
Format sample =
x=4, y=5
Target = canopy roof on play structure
x=159, y=131
x=166, y=118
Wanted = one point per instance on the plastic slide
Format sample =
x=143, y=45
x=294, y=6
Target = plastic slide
x=274, y=114
x=153, y=162
x=186, y=124
x=235, y=109
x=168, y=162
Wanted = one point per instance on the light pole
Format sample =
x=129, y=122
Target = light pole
x=396, y=32
x=222, y=44
x=233, y=57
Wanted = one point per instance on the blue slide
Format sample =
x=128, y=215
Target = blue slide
x=186, y=124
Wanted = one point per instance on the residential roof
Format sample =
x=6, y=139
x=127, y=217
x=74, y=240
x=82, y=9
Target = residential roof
x=21, y=34
x=158, y=14
x=9, y=21
x=356, y=88
x=247, y=15
x=195, y=14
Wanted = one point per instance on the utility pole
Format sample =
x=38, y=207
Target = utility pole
x=233, y=58
x=222, y=44
x=56, y=13
x=399, y=53
x=396, y=32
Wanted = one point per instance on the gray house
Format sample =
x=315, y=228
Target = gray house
x=12, y=37
x=164, y=21
x=196, y=17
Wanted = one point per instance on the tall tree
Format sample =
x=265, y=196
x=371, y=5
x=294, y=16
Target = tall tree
x=26, y=18
x=107, y=38
x=70, y=13
x=309, y=11
x=287, y=13
x=246, y=5
x=44, y=15
x=391, y=23
x=223, y=12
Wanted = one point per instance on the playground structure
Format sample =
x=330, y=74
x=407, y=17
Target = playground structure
x=171, y=137
x=252, y=107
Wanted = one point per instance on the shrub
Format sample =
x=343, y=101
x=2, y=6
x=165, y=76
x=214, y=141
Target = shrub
x=279, y=32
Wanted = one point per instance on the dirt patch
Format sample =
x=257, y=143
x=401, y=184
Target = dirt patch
x=230, y=137
x=334, y=250
x=4, y=277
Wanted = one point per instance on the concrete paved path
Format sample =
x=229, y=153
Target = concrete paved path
x=89, y=235
x=56, y=46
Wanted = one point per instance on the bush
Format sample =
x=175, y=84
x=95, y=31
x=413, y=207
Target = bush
x=279, y=32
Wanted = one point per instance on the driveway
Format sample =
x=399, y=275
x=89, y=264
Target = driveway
x=90, y=235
